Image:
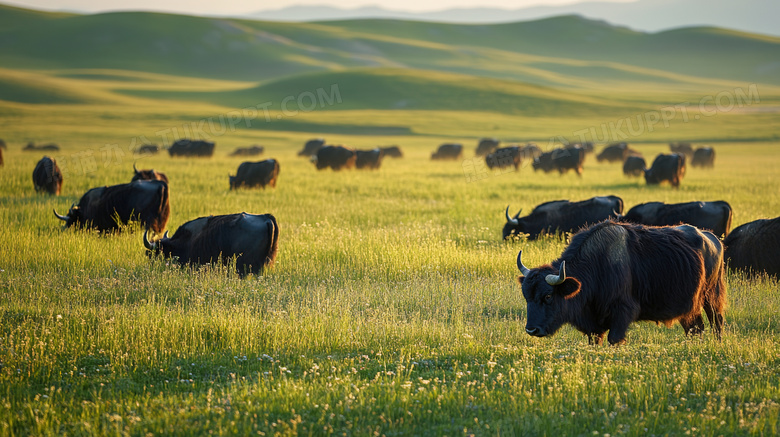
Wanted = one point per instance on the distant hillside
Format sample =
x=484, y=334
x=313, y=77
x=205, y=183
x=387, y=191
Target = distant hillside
x=759, y=16
x=566, y=51
x=405, y=89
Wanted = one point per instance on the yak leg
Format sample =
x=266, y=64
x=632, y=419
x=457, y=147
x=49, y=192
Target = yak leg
x=715, y=318
x=619, y=325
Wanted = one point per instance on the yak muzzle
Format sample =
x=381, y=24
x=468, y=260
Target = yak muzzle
x=536, y=332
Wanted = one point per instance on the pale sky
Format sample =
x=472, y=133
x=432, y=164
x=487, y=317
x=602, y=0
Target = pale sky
x=233, y=7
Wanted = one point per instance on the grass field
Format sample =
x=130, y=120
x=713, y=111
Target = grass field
x=393, y=307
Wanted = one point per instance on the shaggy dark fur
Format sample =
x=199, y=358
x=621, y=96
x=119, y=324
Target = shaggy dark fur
x=755, y=247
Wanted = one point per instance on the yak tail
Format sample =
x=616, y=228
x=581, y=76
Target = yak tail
x=276, y=174
x=728, y=225
x=163, y=210
x=273, y=236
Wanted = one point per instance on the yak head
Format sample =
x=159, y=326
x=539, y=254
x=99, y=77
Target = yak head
x=546, y=291
x=650, y=177
x=158, y=246
x=513, y=225
x=232, y=180
x=72, y=217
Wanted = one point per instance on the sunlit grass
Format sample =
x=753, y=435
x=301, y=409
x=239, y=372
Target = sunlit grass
x=393, y=307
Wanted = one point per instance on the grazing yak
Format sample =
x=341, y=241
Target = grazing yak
x=392, y=152
x=335, y=157
x=311, y=147
x=248, y=151
x=148, y=149
x=561, y=159
x=613, y=153
x=504, y=157
x=666, y=168
x=614, y=274
x=755, y=247
x=711, y=216
x=253, y=239
x=47, y=176
x=255, y=174
x=448, y=151
x=487, y=145
x=108, y=208
x=369, y=159
x=563, y=216
x=197, y=148
x=148, y=175
x=682, y=149
x=703, y=157
x=31, y=147
x=634, y=166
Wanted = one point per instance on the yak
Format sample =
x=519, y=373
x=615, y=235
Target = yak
x=487, y=145
x=255, y=174
x=684, y=149
x=634, y=166
x=47, y=176
x=107, y=208
x=711, y=216
x=148, y=175
x=666, y=168
x=335, y=157
x=448, y=151
x=503, y=157
x=148, y=149
x=31, y=147
x=703, y=157
x=248, y=151
x=392, y=152
x=563, y=216
x=253, y=239
x=197, y=148
x=311, y=147
x=369, y=159
x=614, y=274
x=754, y=247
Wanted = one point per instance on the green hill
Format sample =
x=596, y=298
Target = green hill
x=389, y=89
x=567, y=51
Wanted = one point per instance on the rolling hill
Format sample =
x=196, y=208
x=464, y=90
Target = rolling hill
x=539, y=52
x=395, y=89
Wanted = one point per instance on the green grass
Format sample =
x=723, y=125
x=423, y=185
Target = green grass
x=393, y=307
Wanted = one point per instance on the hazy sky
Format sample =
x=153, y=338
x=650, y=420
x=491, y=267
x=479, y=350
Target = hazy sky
x=211, y=7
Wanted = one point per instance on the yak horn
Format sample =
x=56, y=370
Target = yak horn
x=523, y=269
x=147, y=244
x=165, y=236
x=559, y=278
x=61, y=217
x=135, y=169
x=510, y=219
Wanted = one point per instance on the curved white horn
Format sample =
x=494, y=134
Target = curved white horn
x=510, y=219
x=523, y=269
x=165, y=236
x=61, y=217
x=559, y=278
x=147, y=244
x=135, y=169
